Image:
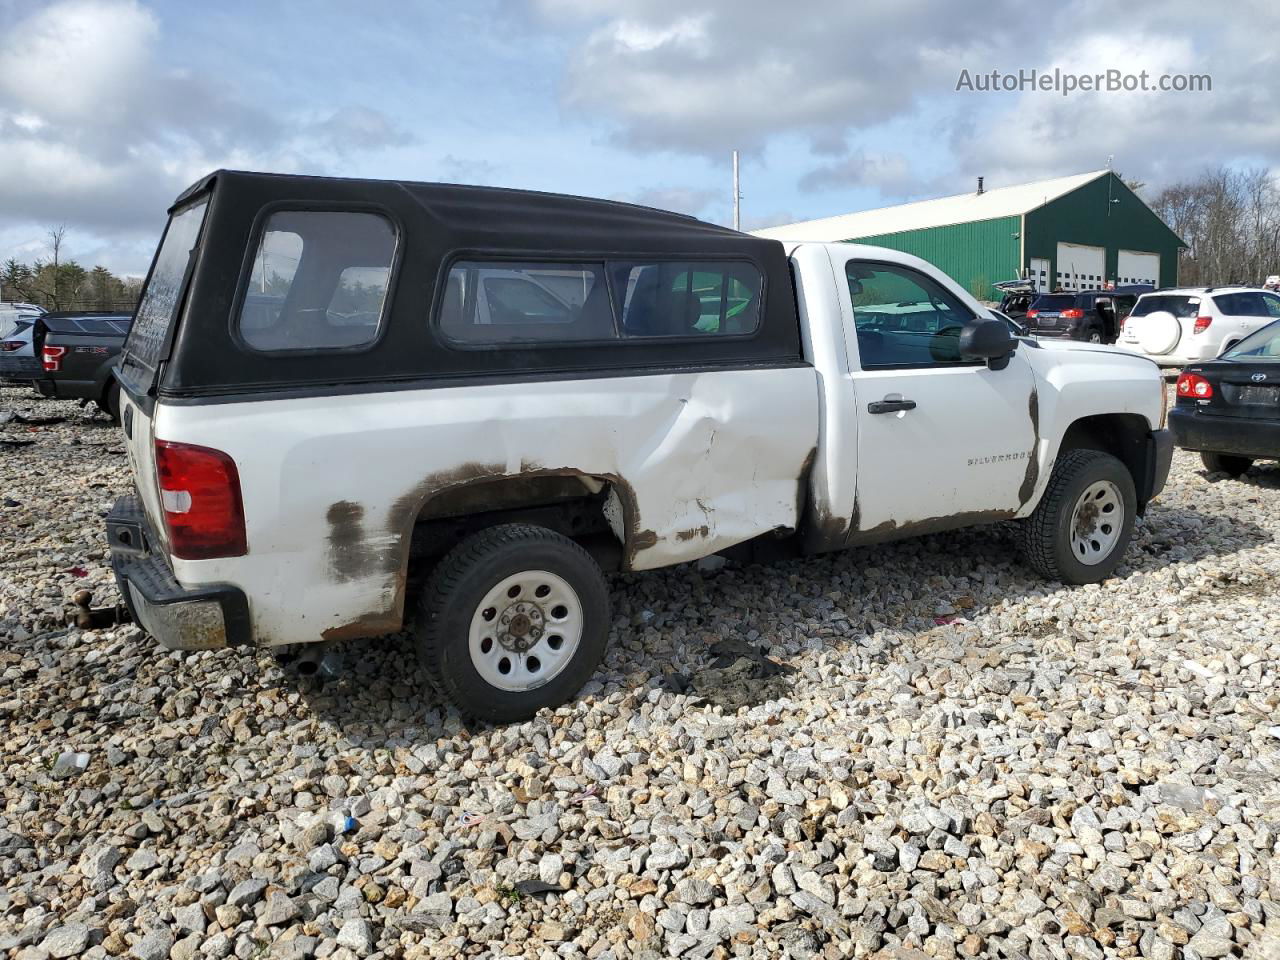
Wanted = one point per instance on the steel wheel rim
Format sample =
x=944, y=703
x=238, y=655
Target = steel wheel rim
x=1096, y=522
x=525, y=630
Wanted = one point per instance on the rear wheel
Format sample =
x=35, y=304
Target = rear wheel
x=1093, y=334
x=514, y=619
x=1084, y=522
x=1226, y=463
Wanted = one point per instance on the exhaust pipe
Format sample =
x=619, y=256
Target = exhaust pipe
x=323, y=660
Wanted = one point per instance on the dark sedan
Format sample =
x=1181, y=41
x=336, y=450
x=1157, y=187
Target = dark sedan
x=1229, y=408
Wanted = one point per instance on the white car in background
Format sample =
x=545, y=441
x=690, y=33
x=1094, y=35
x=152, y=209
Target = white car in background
x=1190, y=324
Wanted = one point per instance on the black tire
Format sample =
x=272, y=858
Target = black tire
x=1094, y=334
x=1047, y=542
x=451, y=601
x=1226, y=463
x=110, y=403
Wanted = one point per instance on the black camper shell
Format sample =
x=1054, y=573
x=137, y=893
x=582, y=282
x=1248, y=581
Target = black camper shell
x=188, y=343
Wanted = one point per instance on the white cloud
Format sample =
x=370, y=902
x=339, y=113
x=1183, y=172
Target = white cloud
x=100, y=132
x=1158, y=136
x=688, y=200
x=743, y=72
x=850, y=78
x=78, y=60
x=889, y=172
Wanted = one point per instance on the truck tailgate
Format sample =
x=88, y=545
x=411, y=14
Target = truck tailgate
x=139, y=442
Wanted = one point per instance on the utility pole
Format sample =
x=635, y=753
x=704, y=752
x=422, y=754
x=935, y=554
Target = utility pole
x=1110, y=157
x=737, y=195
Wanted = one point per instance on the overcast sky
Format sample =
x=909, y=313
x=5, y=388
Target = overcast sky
x=109, y=108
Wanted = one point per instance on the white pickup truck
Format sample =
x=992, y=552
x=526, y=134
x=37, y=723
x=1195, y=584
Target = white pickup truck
x=349, y=401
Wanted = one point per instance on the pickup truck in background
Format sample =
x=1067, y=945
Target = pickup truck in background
x=327, y=434
x=77, y=352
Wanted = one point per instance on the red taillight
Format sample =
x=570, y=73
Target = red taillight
x=1194, y=386
x=51, y=358
x=200, y=497
x=10, y=345
x=1032, y=314
x=1072, y=313
x=1202, y=324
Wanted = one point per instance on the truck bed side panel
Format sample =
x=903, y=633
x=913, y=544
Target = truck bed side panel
x=698, y=461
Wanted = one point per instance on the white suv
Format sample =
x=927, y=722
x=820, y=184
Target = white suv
x=1190, y=324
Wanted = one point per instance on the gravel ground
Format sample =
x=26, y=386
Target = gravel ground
x=940, y=756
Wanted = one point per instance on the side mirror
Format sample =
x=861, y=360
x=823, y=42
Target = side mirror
x=988, y=340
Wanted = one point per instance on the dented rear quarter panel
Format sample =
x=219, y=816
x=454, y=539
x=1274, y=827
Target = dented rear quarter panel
x=331, y=486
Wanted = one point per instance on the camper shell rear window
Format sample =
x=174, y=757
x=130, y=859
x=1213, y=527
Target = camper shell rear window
x=162, y=296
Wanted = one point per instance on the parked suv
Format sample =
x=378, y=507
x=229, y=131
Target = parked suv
x=18, y=360
x=10, y=312
x=1091, y=315
x=1191, y=324
x=1016, y=297
x=344, y=401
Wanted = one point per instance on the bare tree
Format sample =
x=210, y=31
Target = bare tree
x=1230, y=220
x=56, y=236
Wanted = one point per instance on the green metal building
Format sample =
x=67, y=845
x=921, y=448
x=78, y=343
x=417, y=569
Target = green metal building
x=1078, y=233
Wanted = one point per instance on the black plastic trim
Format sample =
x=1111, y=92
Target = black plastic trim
x=1235, y=436
x=151, y=576
x=1159, y=460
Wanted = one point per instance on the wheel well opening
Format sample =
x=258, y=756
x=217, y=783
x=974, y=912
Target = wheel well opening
x=1123, y=435
x=572, y=504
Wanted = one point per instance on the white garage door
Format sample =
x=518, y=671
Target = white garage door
x=1080, y=267
x=1134, y=266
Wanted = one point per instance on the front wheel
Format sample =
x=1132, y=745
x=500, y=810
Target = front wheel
x=514, y=619
x=1083, y=523
x=1225, y=463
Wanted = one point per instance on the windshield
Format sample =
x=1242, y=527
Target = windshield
x=1179, y=306
x=1262, y=344
x=145, y=346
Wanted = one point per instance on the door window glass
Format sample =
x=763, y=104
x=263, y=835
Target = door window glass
x=903, y=317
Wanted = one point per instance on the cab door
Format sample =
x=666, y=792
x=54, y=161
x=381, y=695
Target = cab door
x=942, y=442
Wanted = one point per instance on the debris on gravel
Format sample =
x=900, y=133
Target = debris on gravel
x=915, y=750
